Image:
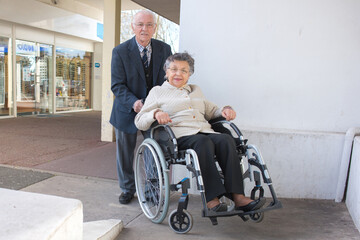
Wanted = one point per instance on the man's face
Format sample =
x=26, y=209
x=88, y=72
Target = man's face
x=144, y=28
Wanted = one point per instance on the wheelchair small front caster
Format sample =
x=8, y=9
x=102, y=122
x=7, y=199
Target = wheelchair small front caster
x=257, y=217
x=180, y=222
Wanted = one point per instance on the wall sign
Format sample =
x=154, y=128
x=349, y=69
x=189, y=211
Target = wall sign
x=25, y=48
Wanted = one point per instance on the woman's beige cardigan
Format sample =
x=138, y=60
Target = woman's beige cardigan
x=186, y=106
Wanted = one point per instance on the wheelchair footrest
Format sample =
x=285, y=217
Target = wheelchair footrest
x=241, y=213
x=244, y=218
x=214, y=220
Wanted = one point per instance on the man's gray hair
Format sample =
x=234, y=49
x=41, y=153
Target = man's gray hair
x=144, y=11
x=180, y=57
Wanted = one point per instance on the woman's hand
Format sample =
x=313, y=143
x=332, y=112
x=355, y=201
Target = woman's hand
x=162, y=117
x=228, y=113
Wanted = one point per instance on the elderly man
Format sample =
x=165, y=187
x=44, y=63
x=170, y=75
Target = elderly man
x=136, y=66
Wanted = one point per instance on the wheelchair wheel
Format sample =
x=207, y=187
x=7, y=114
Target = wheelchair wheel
x=180, y=222
x=257, y=217
x=152, y=181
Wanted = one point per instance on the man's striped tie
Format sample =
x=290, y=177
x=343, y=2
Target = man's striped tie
x=145, y=58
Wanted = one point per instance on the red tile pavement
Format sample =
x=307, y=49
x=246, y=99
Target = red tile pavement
x=68, y=143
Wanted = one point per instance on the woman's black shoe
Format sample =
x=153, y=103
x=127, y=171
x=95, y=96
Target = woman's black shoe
x=254, y=205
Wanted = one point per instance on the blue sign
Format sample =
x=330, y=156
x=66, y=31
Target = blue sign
x=97, y=65
x=100, y=30
x=3, y=49
x=25, y=48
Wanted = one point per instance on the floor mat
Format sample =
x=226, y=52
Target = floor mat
x=16, y=179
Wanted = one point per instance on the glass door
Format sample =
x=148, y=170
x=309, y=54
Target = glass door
x=6, y=103
x=33, y=66
x=3, y=51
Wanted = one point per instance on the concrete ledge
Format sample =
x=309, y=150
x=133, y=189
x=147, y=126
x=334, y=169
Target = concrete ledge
x=313, y=157
x=27, y=215
x=353, y=190
x=102, y=230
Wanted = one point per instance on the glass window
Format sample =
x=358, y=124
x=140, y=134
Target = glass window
x=5, y=81
x=34, y=71
x=73, y=79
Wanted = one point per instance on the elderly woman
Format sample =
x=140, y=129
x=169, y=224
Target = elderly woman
x=186, y=110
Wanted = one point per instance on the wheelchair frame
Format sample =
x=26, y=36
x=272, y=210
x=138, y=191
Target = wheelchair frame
x=152, y=177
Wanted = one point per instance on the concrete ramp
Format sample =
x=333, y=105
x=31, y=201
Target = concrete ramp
x=103, y=229
x=27, y=215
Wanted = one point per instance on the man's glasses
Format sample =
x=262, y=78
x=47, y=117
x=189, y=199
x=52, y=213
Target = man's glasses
x=175, y=70
x=147, y=25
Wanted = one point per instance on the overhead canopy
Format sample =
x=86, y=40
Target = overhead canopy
x=169, y=9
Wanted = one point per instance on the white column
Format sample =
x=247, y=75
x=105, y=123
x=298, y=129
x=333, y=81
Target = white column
x=112, y=13
x=14, y=71
x=96, y=90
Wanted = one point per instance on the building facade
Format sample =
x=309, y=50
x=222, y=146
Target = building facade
x=43, y=76
x=47, y=59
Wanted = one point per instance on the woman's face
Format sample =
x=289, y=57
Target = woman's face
x=178, y=73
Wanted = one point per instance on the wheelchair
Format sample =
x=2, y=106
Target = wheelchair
x=152, y=165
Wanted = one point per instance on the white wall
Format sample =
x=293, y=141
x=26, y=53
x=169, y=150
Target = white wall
x=291, y=71
x=281, y=64
x=353, y=192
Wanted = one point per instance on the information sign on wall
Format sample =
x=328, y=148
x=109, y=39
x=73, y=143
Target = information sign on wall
x=25, y=48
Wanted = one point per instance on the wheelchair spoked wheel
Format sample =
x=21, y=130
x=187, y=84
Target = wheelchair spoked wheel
x=152, y=181
x=257, y=217
x=180, y=222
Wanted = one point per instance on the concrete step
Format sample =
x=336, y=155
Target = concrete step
x=102, y=230
x=27, y=215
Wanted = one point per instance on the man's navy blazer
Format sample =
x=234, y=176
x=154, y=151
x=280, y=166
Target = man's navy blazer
x=128, y=81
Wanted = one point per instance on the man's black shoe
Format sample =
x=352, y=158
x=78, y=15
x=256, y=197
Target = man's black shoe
x=125, y=197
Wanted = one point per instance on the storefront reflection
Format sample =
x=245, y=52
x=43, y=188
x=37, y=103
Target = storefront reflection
x=73, y=78
x=33, y=79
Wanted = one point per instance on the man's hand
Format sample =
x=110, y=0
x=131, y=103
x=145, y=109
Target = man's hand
x=162, y=117
x=229, y=114
x=138, y=105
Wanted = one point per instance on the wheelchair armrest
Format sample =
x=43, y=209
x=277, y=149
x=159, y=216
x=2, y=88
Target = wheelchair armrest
x=216, y=120
x=166, y=127
x=170, y=133
x=218, y=125
x=221, y=125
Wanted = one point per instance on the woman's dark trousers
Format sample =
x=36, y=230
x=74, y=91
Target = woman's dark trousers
x=206, y=147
